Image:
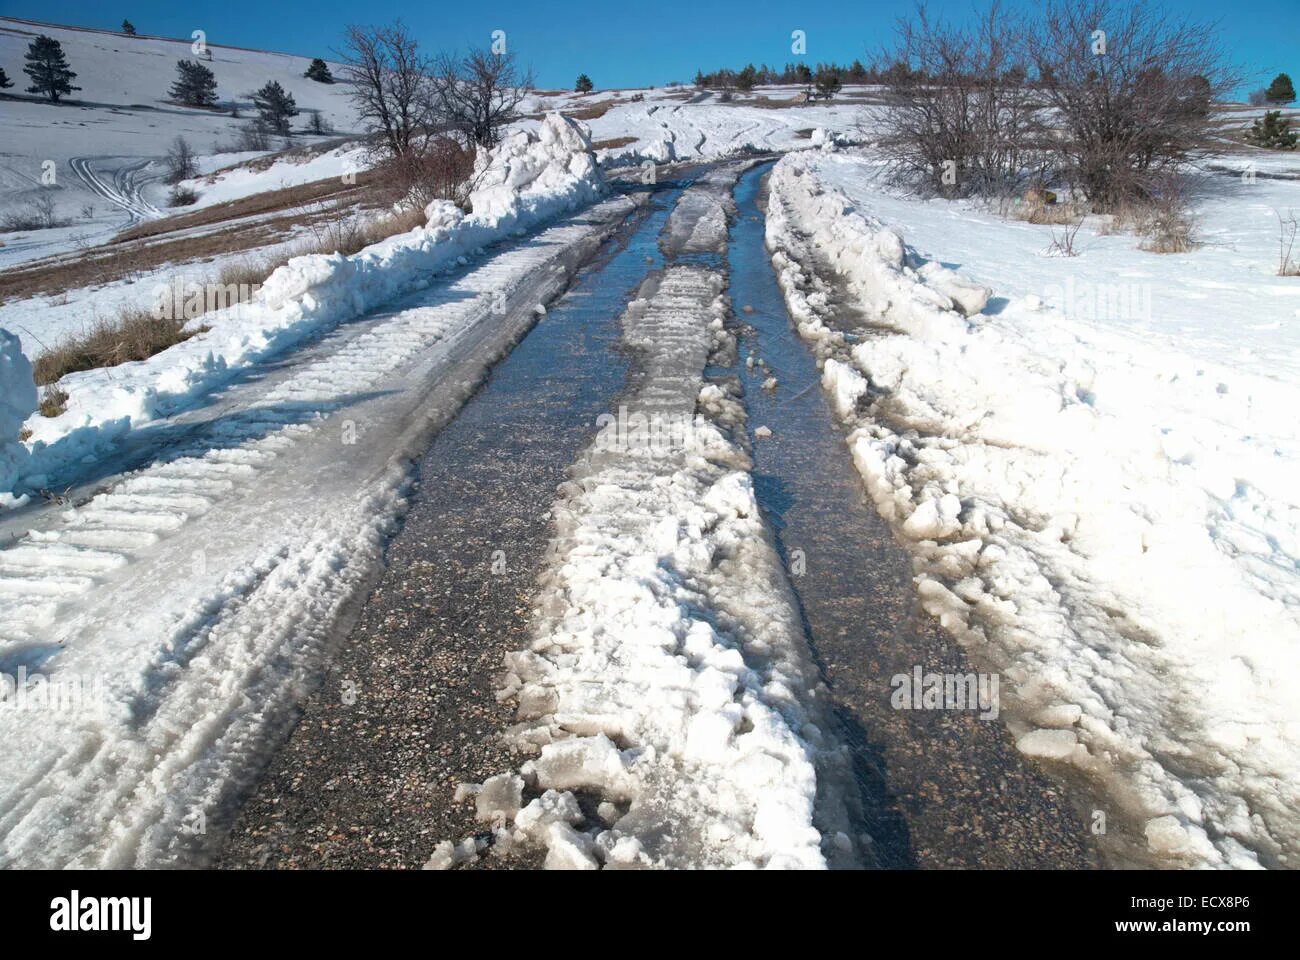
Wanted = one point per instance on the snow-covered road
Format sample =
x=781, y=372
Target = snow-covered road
x=664, y=693
x=190, y=599
x=678, y=696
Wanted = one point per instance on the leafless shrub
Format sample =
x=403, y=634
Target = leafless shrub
x=1287, y=228
x=1130, y=88
x=1062, y=244
x=181, y=197
x=36, y=214
x=441, y=171
x=1166, y=219
x=959, y=117
x=253, y=136
x=1111, y=96
x=180, y=161
x=317, y=124
x=53, y=401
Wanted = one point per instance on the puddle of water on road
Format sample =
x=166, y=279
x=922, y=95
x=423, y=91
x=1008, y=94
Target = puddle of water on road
x=940, y=788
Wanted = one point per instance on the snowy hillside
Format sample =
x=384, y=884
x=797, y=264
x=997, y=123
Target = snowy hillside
x=103, y=140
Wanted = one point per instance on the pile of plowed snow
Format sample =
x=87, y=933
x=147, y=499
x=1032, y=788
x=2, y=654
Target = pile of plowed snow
x=17, y=403
x=530, y=179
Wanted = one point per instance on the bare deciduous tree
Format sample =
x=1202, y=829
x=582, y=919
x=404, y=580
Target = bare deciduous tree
x=180, y=161
x=959, y=115
x=390, y=85
x=479, y=93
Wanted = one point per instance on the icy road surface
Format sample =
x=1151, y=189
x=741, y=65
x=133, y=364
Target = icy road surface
x=191, y=597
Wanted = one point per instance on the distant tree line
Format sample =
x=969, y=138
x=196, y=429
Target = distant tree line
x=795, y=74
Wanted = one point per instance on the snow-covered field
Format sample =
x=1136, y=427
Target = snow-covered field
x=1097, y=475
x=104, y=141
x=673, y=130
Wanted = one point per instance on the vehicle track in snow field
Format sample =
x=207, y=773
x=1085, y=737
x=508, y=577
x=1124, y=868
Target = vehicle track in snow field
x=120, y=185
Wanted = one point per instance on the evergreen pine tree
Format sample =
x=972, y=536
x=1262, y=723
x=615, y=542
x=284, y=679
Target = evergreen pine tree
x=4, y=79
x=1273, y=132
x=319, y=71
x=275, y=107
x=1281, y=90
x=583, y=85
x=195, y=85
x=128, y=28
x=828, y=82
x=48, y=68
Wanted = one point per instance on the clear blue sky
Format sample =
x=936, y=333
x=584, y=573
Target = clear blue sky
x=622, y=42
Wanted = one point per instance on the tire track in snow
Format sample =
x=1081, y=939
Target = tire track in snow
x=431, y=637
x=124, y=192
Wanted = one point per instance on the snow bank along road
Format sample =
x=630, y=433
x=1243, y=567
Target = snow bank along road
x=670, y=688
x=1104, y=523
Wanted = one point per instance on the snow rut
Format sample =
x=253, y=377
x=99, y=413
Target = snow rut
x=669, y=695
x=182, y=639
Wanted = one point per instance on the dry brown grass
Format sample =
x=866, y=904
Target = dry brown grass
x=53, y=402
x=1034, y=208
x=1166, y=226
x=1170, y=235
x=248, y=271
x=348, y=233
x=268, y=201
x=613, y=143
x=134, y=334
x=595, y=111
